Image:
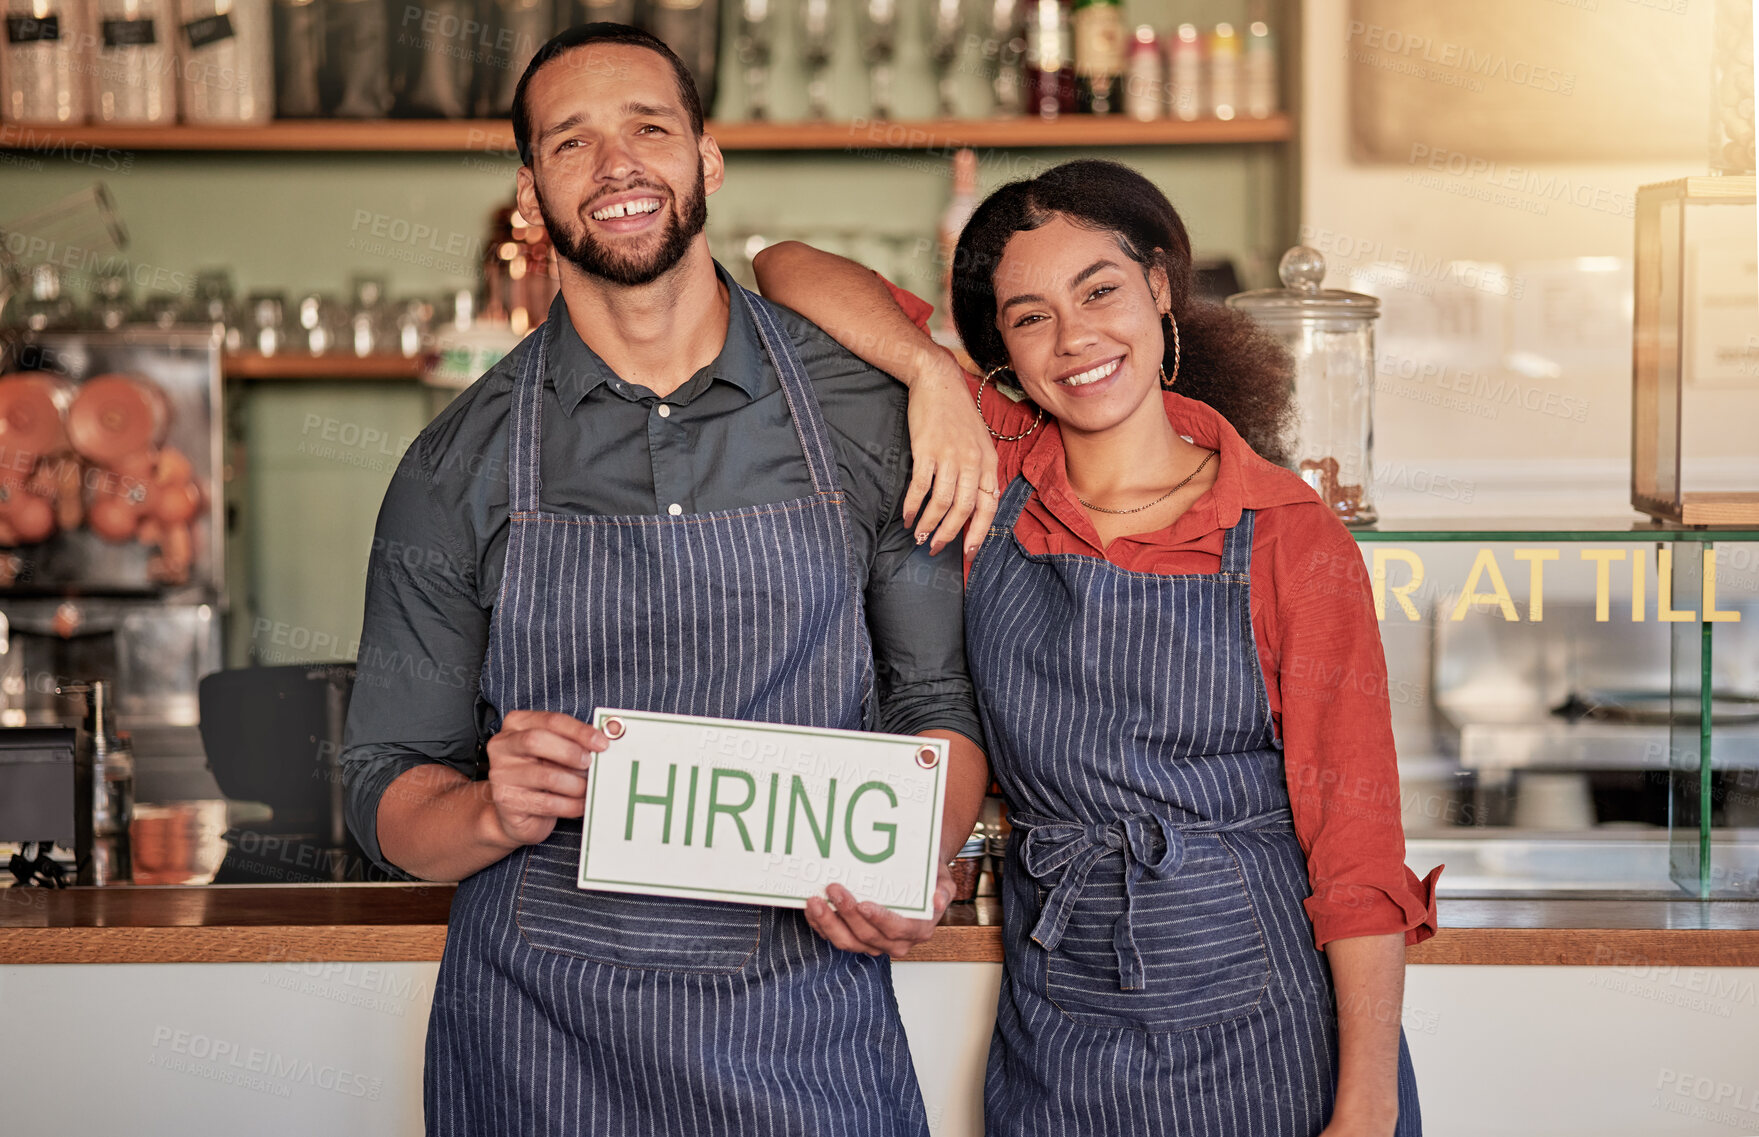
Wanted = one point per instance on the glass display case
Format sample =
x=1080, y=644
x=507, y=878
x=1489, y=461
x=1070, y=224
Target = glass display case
x=1576, y=703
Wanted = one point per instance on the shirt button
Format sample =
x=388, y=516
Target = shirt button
x=674, y=509
x=665, y=410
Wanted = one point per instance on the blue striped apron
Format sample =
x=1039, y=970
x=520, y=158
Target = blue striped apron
x=1160, y=974
x=563, y=1011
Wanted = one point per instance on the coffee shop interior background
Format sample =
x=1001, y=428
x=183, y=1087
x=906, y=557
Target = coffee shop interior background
x=1487, y=201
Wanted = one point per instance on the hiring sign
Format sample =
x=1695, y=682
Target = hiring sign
x=757, y=813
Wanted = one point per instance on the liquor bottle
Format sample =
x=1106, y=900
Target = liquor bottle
x=958, y=212
x=1224, y=72
x=1099, y=56
x=1260, y=71
x=1050, y=60
x=1144, y=89
x=1185, y=64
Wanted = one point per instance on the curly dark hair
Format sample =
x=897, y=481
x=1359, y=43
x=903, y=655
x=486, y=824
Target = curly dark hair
x=1226, y=360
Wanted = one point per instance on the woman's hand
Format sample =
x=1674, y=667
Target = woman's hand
x=954, y=479
x=867, y=928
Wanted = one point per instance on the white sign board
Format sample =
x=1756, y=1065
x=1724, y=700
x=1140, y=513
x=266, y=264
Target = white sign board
x=757, y=813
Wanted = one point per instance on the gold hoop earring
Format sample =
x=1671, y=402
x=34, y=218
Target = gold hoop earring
x=1167, y=381
x=1036, y=423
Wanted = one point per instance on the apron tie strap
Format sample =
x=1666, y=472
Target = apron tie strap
x=1061, y=854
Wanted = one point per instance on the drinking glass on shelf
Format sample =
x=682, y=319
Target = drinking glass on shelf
x=366, y=320
x=213, y=305
x=755, y=37
x=415, y=327
x=879, y=45
x=947, y=38
x=111, y=307
x=268, y=322
x=316, y=314
x=818, y=29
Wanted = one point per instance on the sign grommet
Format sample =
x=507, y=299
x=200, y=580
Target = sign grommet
x=928, y=757
x=614, y=728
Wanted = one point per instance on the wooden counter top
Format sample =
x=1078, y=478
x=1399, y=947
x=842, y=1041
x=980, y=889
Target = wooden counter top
x=271, y=923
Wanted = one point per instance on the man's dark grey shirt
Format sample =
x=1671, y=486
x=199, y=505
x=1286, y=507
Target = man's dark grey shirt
x=724, y=440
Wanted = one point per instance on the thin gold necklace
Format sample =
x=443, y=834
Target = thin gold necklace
x=1158, y=500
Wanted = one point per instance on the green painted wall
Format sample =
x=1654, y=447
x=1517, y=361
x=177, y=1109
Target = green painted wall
x=301, y=222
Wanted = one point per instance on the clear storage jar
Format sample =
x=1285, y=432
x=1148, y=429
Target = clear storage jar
x=1330, y=335
x=135, y=63
x=46, y=67
x=228, y=61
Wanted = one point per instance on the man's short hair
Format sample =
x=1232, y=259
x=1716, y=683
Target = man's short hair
x=580, y=35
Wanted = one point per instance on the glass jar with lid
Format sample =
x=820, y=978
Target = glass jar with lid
x=1330, y=335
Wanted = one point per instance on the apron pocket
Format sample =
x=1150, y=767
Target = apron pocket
x=655, y=932
x=1203, y=952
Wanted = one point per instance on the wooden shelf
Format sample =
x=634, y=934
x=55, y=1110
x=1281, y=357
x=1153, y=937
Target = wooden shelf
x=494, y=137
x=373, y=368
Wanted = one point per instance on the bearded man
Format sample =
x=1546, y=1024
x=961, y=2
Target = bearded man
x=672, y=496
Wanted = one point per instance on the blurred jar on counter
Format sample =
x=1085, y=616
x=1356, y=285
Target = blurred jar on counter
x=134, y=76
x=1330, y=335
x=228, y=65
x=43, y=69
x=967, y=868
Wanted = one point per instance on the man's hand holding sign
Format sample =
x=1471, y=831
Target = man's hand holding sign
x=743, y=812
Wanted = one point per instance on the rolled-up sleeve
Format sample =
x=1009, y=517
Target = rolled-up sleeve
x=1339, y=755
x=422, y=641
x=916, y=615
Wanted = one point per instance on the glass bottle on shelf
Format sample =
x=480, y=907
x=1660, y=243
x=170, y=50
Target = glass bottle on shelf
x=1144, y=88
x=1050, y=59
x=44, y=69
x=1258, y=77
x=1185, y=73
x=1098, y=27
x=268, y=322
x=134, y=71
x=1224, y=72
x=1330, y=335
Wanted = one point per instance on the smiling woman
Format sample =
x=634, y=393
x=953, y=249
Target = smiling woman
x=1154, y=645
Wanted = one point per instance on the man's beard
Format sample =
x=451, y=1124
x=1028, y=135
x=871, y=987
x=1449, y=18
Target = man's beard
x=592, y=257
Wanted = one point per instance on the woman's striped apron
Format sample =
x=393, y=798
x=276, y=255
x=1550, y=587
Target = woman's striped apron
x=1160, y=972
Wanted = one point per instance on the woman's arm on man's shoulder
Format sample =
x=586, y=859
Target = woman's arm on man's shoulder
x=954, y=476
